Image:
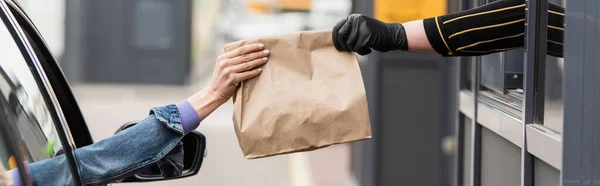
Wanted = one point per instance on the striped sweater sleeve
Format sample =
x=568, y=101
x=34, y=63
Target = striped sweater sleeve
x=494, y=27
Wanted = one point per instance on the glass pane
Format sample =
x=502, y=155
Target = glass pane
x=492, y=72
x=544, y=174
x=500, y=160
x=466, y=72
x=553, y=104
x=467, y=150
x=553, y=85
x=24, y=106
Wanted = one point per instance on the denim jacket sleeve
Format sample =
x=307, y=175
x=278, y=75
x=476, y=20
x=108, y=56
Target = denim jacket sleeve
x=119, y=156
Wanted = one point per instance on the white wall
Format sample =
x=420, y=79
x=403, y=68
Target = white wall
x=49, y=18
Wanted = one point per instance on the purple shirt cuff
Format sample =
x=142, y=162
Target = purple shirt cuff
x=188, y=115
x=16, y=176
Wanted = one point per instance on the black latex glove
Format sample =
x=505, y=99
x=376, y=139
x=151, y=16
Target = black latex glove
x=360, y=34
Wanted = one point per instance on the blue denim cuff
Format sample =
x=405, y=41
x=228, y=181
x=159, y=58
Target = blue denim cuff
x=188, y=115
x=170, y=116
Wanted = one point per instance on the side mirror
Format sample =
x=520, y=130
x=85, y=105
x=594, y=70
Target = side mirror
x=194, y=151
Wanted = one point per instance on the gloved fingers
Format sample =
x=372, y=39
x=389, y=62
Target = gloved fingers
x=337, y=40
x=361, y=47
x=354, y=35
x=344, y=34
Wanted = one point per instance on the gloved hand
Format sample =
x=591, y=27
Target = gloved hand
x=360, y=34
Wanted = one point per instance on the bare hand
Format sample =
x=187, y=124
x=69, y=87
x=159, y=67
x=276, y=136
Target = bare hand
x=234, y=67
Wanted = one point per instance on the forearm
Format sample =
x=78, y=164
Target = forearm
x=119, y=156
x=494, y=27
x=205, y=102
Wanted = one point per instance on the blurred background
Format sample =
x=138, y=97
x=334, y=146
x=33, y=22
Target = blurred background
x=463, y=121
x=124, y=57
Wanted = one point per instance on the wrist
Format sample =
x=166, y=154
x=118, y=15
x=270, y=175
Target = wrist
x=205, y=102
x=416, y=37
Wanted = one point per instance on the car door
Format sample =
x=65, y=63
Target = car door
x=32, y=118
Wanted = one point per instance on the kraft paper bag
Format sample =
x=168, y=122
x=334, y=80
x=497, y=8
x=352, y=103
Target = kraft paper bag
x=308, y=96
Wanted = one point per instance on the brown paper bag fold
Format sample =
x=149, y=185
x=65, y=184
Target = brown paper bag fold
x=308, y=96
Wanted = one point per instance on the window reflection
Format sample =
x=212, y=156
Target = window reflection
x=553, y=80
x=24, y=106
x=553, y=101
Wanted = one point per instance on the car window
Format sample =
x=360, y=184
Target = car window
x=25, y=107
x=76, y=130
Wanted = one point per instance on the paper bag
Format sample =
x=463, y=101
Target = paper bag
x=308, y=96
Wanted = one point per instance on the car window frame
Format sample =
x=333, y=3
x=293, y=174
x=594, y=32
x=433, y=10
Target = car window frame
x=62, y=90
x=46, y=90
